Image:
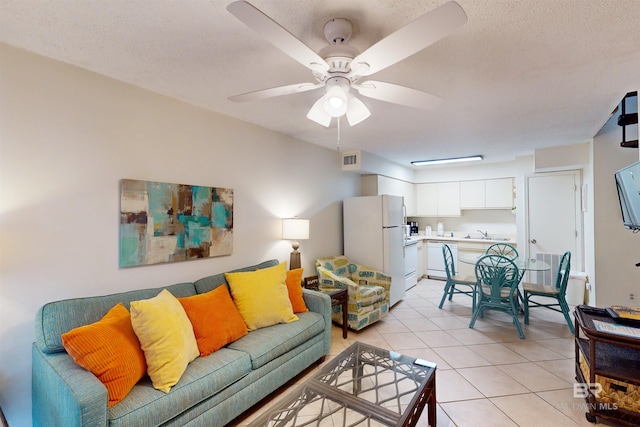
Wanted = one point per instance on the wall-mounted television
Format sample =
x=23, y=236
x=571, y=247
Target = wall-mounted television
x=628, y=185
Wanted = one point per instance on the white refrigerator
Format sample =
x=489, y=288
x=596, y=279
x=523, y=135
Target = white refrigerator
x=374, y=236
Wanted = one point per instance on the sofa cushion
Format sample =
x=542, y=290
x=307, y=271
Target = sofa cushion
x=204, y=377
x=166, y=337
x=55, y=318
x=215, y=319
x=261, y=296
x=265, y=344
x=110, y=350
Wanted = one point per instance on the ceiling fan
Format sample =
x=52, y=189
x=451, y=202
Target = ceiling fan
x=338, y=67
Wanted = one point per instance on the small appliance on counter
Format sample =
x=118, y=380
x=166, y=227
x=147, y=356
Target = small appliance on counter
x=440, y=229
x=414, y=228
x=427, y=230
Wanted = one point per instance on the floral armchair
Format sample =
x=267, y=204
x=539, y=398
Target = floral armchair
x=368, y=290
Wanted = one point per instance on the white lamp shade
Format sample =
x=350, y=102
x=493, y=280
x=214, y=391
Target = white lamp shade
x=295, y=229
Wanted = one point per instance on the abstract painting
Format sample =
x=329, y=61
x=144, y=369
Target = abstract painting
x=162, y=222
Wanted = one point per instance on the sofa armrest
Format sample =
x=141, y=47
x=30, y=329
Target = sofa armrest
x=318, y=302
x=63, y=393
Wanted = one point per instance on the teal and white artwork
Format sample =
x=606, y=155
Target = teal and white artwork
x=162, y=222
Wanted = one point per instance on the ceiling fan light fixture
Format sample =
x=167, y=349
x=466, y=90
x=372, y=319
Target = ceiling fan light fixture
x=335, y=101
x=357, y=111
x=449, y=160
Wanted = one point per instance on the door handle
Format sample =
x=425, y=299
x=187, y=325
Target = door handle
x=534, y=241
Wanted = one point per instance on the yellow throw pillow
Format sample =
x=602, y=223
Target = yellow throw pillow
x=261, y=296
x=110, y=350
x=166, y=337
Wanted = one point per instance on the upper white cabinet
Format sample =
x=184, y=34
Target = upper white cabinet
x=472, y=194
x=443, y=199
x=377, y=185
x=427, y=199
x=448, y=199
x=438, y=199
x=499, y=193
x=487, y=194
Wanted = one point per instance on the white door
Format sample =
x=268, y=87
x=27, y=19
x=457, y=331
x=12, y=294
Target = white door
x=554, y=224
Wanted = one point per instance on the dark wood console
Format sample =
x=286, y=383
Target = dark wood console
x=608, y=367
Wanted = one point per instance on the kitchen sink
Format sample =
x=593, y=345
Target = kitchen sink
x=496, y=239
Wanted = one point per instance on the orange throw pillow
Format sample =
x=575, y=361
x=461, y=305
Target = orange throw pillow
x=215, y=319
x=294, y=286
x=110, y=350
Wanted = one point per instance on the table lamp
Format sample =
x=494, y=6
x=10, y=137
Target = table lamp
x=295, y=229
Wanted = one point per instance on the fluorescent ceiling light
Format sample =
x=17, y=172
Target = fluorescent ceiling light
x=441, y=161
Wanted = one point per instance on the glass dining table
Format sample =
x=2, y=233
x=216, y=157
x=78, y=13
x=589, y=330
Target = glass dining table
x=523, y=264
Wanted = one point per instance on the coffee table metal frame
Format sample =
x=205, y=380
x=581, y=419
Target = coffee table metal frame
x=362, y=386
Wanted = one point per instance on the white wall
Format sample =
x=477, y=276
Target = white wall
x=616, y=249
x=68, y=136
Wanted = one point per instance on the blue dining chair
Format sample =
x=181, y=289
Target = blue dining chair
x=498, y=279
x=556, y=292
x=503, y=249
x=456, y=284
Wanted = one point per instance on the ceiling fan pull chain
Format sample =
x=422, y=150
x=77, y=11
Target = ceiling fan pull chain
x=338, y=148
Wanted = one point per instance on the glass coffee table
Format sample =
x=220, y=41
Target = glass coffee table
x=362, y=386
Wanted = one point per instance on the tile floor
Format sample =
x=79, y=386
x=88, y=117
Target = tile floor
x=486, y=376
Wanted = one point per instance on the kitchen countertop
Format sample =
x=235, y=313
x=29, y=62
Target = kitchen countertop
x=461, y=238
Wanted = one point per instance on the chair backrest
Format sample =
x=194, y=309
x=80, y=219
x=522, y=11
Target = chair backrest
x=497, y=272
x=449, y=265
x=503, y=249
x=562, y=278
x=338, y=265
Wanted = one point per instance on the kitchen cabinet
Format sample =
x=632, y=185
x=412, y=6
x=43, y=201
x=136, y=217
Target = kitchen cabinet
x=499, y=193
x=438, y=199
x=465, y=269
x=448, y=199
x=427, y=199
x=472, y=194
x=377, y=185
x=487, y=194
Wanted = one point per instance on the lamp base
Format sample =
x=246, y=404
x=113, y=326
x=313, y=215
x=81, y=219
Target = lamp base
x=294, y=262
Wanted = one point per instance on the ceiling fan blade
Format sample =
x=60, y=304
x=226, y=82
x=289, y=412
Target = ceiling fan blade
x=274, y=91
x=277, y=35
x=398, y=94
x=410, y=39
x=357, y=111
x=317, y=114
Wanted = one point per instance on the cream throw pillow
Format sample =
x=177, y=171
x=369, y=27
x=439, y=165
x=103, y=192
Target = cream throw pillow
x=166, y=337
x=261, y=296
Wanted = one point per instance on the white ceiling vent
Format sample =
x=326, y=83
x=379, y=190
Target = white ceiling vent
x=351, y=160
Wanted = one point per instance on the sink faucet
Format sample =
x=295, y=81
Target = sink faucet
x=485, y=234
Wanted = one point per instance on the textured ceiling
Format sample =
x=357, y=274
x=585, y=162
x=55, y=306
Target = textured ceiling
x=521, y=74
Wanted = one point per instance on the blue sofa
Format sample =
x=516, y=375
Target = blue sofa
x=213, y=391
